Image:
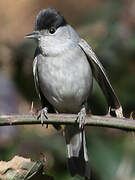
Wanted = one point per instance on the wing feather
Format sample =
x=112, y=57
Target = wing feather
x=101, y=78
x=43, y=100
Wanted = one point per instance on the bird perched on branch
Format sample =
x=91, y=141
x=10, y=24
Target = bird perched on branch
x=64, y=66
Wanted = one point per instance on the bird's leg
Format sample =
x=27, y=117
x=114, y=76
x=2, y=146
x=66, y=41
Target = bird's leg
x=32, y=109
x=108, y=113
x=81, y=117
x=42, y=114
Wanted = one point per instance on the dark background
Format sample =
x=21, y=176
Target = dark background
x=109, y=27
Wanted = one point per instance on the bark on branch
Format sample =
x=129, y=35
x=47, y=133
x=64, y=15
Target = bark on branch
x=100, y=121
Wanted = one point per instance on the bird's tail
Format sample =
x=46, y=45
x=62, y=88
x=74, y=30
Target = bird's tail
x=76, y=151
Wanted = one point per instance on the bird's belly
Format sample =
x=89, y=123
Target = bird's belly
x=65, y=83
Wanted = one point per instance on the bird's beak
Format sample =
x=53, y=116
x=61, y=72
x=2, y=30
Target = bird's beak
x=33, y=35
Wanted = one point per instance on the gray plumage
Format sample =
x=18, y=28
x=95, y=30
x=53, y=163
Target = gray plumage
x=63, y=68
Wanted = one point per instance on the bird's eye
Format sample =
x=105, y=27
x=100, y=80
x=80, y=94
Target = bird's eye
x=52, y=30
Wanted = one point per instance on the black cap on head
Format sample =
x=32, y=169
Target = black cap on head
x=49, y=18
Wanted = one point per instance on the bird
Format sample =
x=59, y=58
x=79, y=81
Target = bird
x=64, y=67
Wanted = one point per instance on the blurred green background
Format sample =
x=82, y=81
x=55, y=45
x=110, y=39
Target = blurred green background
x=109, y=27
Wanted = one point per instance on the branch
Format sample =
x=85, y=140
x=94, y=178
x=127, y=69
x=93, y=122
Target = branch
x=101, y=121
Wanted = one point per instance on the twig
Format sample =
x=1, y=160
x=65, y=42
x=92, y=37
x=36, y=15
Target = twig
x=100, y=121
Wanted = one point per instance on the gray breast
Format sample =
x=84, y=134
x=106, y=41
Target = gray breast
x=65, y=80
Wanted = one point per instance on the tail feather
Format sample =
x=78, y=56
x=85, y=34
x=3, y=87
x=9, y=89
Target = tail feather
x=77, y=152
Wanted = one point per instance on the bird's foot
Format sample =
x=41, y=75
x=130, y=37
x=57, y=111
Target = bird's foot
x=117, y=112
x=42, y=114
x=81, y=117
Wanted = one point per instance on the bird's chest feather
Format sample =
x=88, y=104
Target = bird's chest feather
x=65, y=79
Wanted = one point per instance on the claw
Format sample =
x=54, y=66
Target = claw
x=10, y=121
x=81, y=117
x=131, y=115
x=42, y=114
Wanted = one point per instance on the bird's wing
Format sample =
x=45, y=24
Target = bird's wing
x=100, y=76
x=44, y=101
